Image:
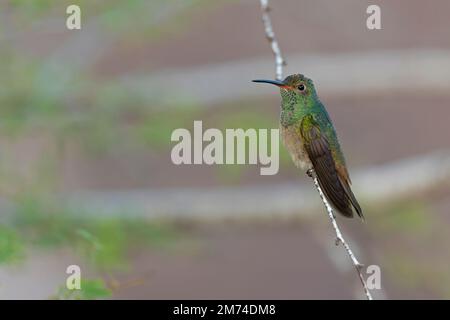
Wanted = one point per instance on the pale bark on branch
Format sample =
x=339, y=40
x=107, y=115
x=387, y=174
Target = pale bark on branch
x=279, y=60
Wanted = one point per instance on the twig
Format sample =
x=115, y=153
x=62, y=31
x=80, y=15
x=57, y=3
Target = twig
x=339, y=238
x=279, y=62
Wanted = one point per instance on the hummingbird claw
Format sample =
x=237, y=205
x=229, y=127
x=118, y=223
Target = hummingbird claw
x=310, y=173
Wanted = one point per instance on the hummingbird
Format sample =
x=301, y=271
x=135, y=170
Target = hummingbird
x=310, y=138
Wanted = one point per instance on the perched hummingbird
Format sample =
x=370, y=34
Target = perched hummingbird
x=309, y=136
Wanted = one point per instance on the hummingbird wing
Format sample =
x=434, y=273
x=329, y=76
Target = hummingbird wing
x=333, y=178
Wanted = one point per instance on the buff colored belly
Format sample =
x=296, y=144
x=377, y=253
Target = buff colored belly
x=294, y=145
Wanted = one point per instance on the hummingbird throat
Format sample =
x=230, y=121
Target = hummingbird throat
x=293, y=107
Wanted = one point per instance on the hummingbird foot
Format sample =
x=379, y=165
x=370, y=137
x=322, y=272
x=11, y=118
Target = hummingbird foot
x=310, y=173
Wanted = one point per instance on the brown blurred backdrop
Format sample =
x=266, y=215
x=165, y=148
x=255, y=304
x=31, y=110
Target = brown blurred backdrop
x=85, y=171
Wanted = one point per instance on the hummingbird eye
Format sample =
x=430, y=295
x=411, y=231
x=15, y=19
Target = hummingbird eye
x=301, y=87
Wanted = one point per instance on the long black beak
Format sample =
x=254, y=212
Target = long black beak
x=275, y=82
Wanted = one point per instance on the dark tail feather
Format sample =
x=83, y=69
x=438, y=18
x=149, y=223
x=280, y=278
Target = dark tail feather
x=337, y=196
x=352, y=199
x=339, y=193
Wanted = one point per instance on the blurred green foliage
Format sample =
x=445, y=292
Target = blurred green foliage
x=11, y=245
x=410, y=216
x=104, y=243
x=22, y=103
x=411, y=245
x=150, y=17
x=407, y=271
x=63, y=106
x=90, y=289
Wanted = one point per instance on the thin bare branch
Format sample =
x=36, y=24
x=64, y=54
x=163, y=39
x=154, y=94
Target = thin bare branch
x=279, y=61
x=339, y=238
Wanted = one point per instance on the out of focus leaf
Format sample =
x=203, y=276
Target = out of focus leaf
x=11, y=246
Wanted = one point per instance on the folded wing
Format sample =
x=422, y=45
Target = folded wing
x=332, y=179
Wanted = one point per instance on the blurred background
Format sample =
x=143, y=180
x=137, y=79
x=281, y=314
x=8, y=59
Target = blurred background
x=85, y=171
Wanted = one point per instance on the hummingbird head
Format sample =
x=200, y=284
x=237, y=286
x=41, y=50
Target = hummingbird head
x=297, y=93
x=295, y=85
